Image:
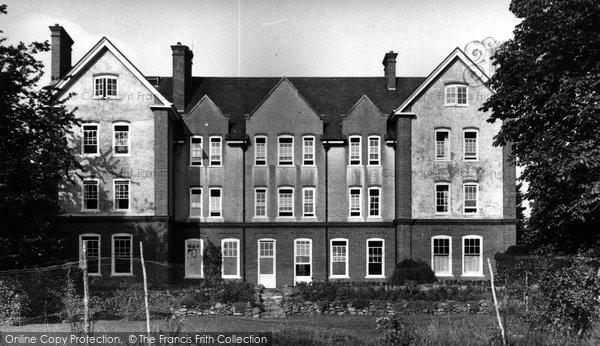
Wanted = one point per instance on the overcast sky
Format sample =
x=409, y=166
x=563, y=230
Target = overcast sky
x=268, y=38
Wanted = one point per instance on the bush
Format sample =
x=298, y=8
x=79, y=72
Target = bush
x=128, y=303
x=12, y=301
x=568, y=299
x=360, y=304
x=194, y=299
x=411, y=270
x=232, y=292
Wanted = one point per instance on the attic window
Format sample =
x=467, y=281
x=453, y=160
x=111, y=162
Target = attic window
x=105, y=86
x=456, y=95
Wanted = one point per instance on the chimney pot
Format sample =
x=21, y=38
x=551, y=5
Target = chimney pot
x=61, y=52
x=389, y=68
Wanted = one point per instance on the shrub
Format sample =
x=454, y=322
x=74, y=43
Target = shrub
x=128, y=303
x=13, y=300
x=360, y=304
x=232, y=292
x=212, y=263
x=394, y=331
x=411, y=270
x=194, y=299
x=568, y=299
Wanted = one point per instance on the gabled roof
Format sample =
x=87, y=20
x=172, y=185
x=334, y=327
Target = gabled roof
x=457, y=53
x=99, y=48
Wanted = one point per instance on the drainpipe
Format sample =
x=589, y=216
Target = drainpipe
x=244, y=147
x=326, y=146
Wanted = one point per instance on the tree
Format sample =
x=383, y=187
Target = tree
x=521, y=218
x=34, y=156
x=547, y=93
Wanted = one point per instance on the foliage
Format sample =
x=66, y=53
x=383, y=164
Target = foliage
x=411, y=270
x=232, y=292
x=522, y=220
x=212, y=263
x=548, y=97
x=34, y=155
x=395, y=331
x=12, y=301
x=194, y=299
x=569, y=299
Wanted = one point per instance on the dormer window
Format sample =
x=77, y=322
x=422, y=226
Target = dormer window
x=456, y=94
x=105, y=86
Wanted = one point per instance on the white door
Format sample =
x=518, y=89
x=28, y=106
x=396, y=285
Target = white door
x=302, y=260
x=193, y=258
x=266, y=263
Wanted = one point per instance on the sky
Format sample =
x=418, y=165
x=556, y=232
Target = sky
x=250, y=38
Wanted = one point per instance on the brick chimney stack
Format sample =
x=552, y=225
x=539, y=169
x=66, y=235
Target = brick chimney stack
x=61, y=52
x=389, y=68
x=182, y=75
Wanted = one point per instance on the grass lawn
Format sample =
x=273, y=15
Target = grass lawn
x=345, y=330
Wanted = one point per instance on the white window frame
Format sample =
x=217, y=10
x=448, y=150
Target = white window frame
x=215, y=152
x=314, y=202
x=199, y=163
x=454, y=88
x=195, y=188
x=112, y=255
x=115, y=181
x=97, y=183
x=446, y=147
x=279, y=201
x=114, y=140
x=465, y=185
x=90, y=235
x=378, y=189
x=238, y=249
x=471, y=158
x=375, y=276
x=201, y=276
x=354, y=161
x=478, y=273
x=360, y=202
x=310, y=255
x=266, y=160
x=344, y=276
x=279, y=161
x=210, y=204
x=83, y=129
x=312, y=152
x=442, y=274
x=256, y=192
x=449, y=198
x=104, y=95
x=376, y=162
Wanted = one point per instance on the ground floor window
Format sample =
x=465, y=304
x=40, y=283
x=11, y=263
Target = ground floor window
x=339, y=258
x=472, y=256
x=231, y=258
x=194, y=249
x=92, y=249
x=122, y=254
x=375, y=259
x=303, y=259
x=441, y=255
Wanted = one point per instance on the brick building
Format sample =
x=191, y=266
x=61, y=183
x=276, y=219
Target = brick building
x=296, y=179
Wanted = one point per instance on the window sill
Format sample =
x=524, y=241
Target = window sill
x=356, y=219
x=470, y=214
x=308, y=166
x=120, y=210
x=442, y=214
x=455, y=105
x=473, y=275
x=285, y=166
x=375, y=277
x=90, y=210
x=375, y=218
x=308, y=218
x=214, y=219
x=444, y=275
x=116, y=97
x=261, y=166
x=122, y=274
x=470, y=160
x=285, y=218
x=215, y=166
x=441, y=160
x=94, y=274
x=231, y=277
x=90, y=155
x=121, y=155
x=193, y=277
x=339, y=277
x=260, y=218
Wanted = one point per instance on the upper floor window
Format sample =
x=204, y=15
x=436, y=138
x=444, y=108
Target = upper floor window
x=286, y=202
x=90, y=139
x=456, y=95
x=355, y=202
x=472, y=256
x=355, y=150
x=260, y=151
x=121, y=194
x=105, y=86
x=470, y=146
x=308, y=151
x=286, y=151
x=260, y=202
x=442, y=198
x=442, y=145
x=374, y=202
x=90, y=194
x=441, y=247
x=374, y=151
x=308, y=202
x=196, y=151
x=216, y=151
x=121, y=139
x=195, y=202
x=470, y=196
x=215, y=202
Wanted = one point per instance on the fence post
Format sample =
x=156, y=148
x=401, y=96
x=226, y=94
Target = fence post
x=496, y=302
x=527, y=291
x=86, y=293
x=145, y=289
